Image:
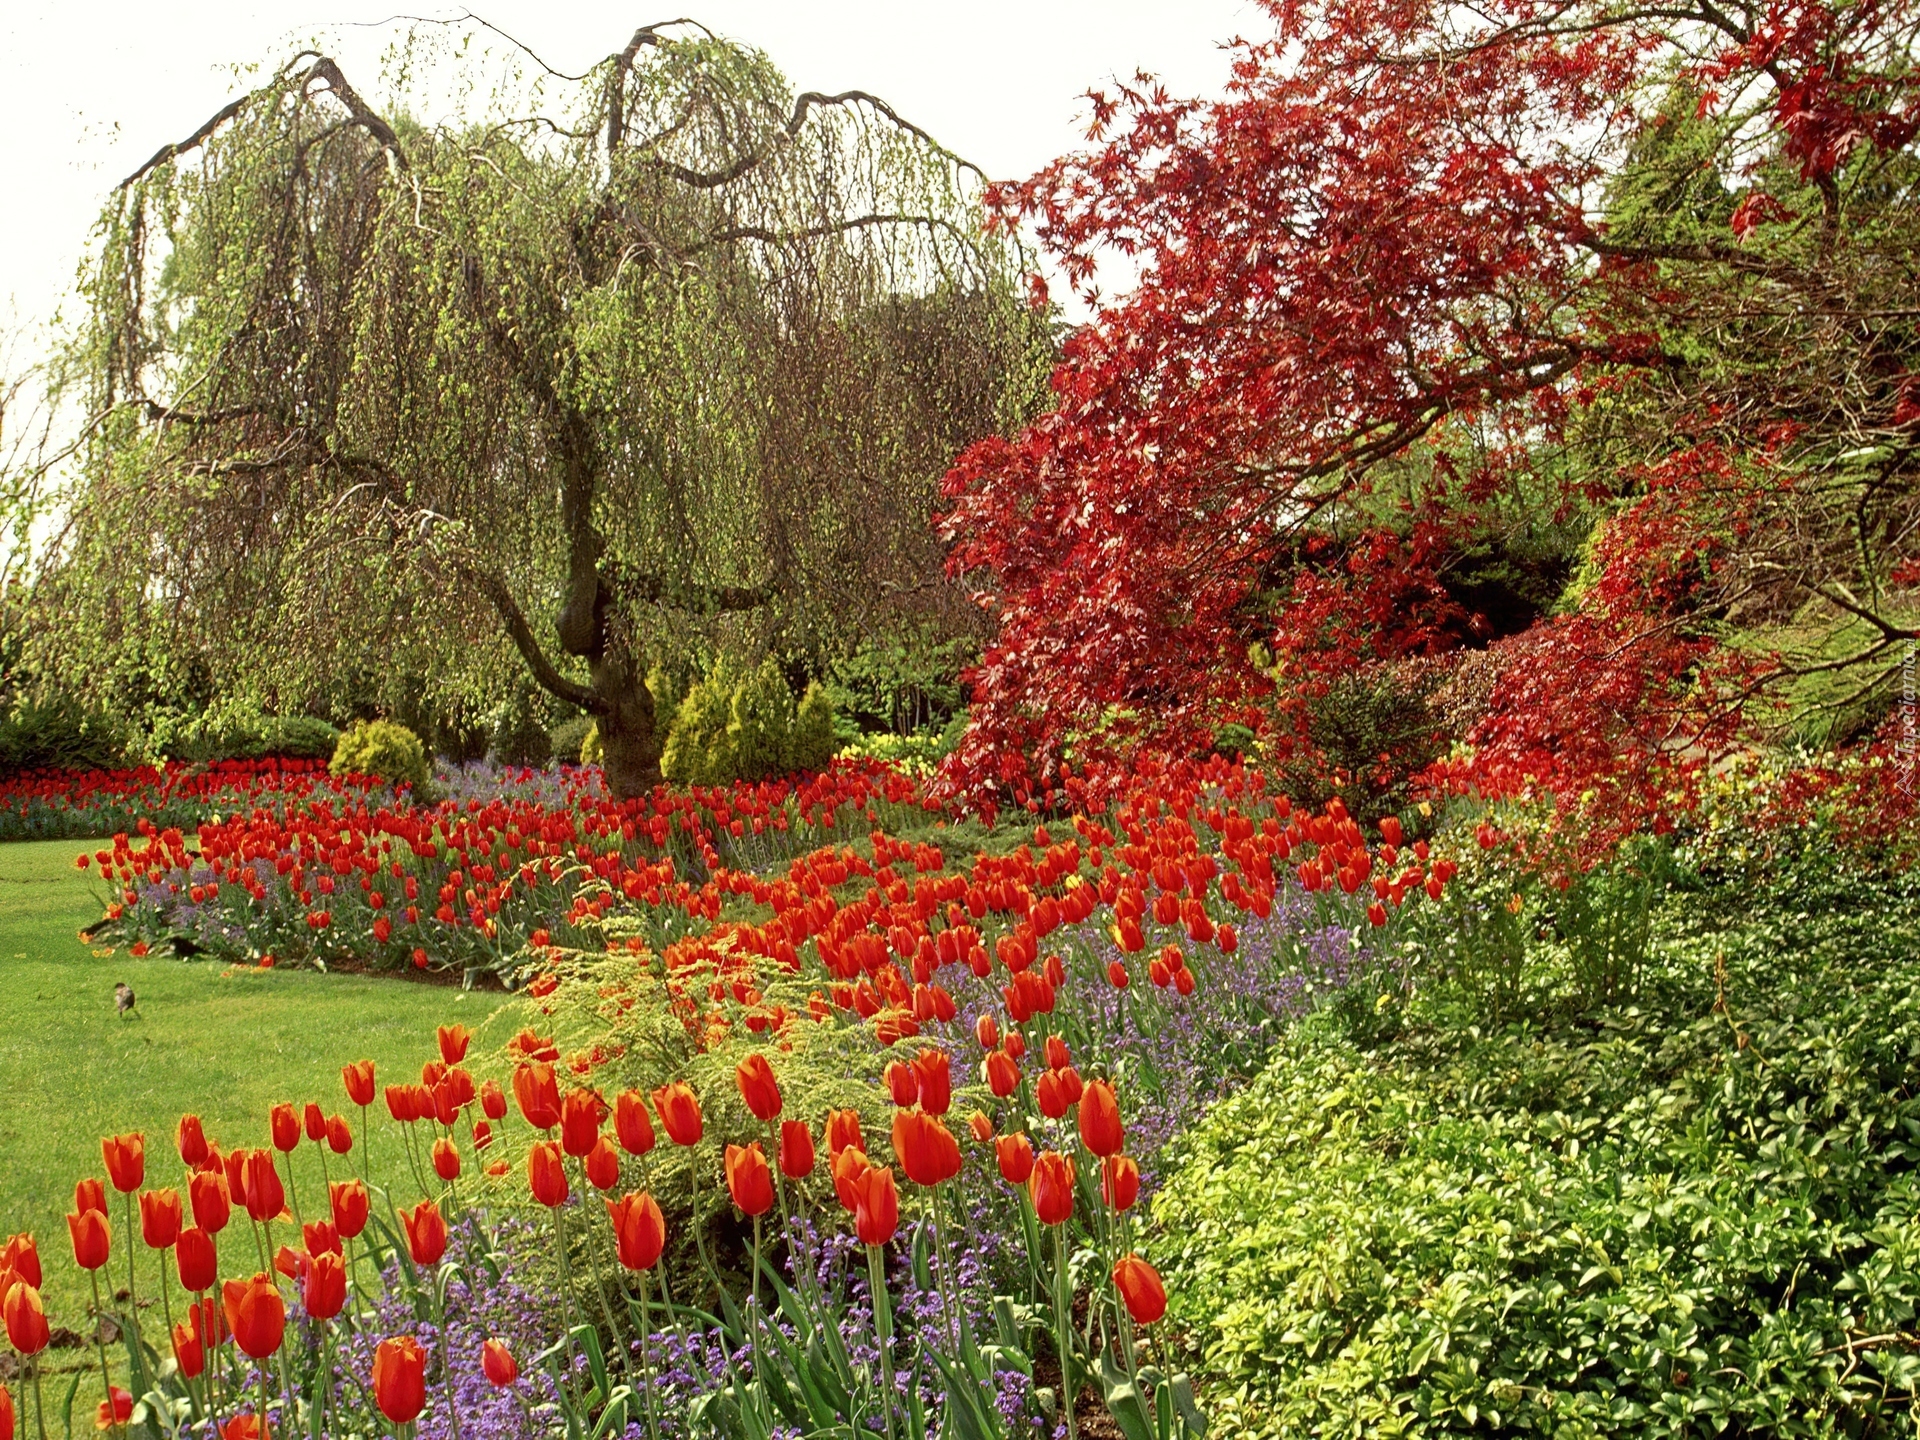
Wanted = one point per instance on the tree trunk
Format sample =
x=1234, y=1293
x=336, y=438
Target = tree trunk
x=631, y=738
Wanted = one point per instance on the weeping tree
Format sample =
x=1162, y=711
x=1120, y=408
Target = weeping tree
x=618, y=360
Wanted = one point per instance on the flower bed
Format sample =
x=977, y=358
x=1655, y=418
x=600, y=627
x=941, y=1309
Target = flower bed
x=853, y=1143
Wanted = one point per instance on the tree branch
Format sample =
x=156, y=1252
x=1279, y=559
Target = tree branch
x=495, y=589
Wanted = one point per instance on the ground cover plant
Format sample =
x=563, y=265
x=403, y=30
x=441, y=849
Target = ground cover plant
x=1457, y=1203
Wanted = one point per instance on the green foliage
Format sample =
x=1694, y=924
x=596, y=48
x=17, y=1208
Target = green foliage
x=592, y=749
x=569, y=737
x=698, y=750
x=246, y=736
x=383, y=748
x=1368, y=731
x=814, y=734
x=1695, y=1214
x=747, y=728
x=60, y=734
x=903, y=683
x=918, y=753
x=519, y=733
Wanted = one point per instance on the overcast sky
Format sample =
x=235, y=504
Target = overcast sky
x=90, y=88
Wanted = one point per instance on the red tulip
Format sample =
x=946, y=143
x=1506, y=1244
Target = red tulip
x=1015, y=1154
x=91, y=1238
x=265, y=1198
x=926, y=1149
x=639, y=1230
x=349, y=1202
x=326, y=1288
x=580, y=1115
x=1117, y=975
x=902, y=1084
x=796, y=1150
x=196, y=1258
x=1100, y=1128
x=115, y=1411
x=843, y=1130
x=749, y=1180
x=1140, y=1286
x=1051, y=1094
x=493, y=1101
x=547, y=1174
x=313, y=1120
x=758, y=1088
x=1119, y=1182
x=400, y=1104
x=285, y=1125
x=847, y=1167
x=1058, y=1057
x=358, y=1078
x=207, y=1192
x=126, y=1157
x=188, y=1353
x=679, y=1112
x=255, y=1314
x=26, y=1319
x=446, y=1159
x=191, y=1141
x=933, y=1072
x=632, y=1123
x=339, y=1135
x=1050, y=1187
x=453, y=1042
x=498, y=1365
x=1016, y=1045
x=981, y=1126
x=1070, y=1085
x=22, y=1256
x=538, y=1091
x=320, y=1237
x=160, y=1218
x=426, y=1232
x=244, y=1427
x=603, y=1165
x=400, y=1379
x=876, y=1212
x=6, y=1397
x=987, y=1031
x=1002, y=1074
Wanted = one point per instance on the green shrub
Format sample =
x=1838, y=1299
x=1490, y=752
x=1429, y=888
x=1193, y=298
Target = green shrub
x=814, y=738
x=760, y=734
x=698, y=751
x=729, y=728
x=247, y=736
x=592, y=750
x=918, y=753
x=519, y=733
x=60, y=734
x=569, y=735
x=1697, y=1214
x=384, y=749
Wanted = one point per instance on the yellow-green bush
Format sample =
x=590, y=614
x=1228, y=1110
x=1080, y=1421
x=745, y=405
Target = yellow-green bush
x=747, y=728
x=385, y=749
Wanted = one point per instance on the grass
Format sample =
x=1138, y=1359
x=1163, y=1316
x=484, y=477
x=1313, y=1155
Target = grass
x=224, y=1043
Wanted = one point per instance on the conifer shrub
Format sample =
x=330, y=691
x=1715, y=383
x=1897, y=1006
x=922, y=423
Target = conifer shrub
x=384, y=749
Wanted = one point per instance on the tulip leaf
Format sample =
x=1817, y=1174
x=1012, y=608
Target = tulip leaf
x=1124, y=1401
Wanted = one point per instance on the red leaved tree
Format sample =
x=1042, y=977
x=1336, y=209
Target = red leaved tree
x=1416, y=255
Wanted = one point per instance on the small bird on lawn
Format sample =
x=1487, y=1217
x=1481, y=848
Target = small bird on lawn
x=123, y=998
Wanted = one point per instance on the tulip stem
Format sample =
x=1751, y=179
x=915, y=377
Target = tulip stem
x=593, y=1266
x=293, y=1192
x=262, y=1374
x=106, y=1375
x=1063, y=1324
x=646, y=1363
x=133, y=1292
x=882, y=1330
x=39, y=1405
x=439, y=1289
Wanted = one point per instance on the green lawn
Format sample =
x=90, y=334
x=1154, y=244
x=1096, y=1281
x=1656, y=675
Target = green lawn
x=225, y=1043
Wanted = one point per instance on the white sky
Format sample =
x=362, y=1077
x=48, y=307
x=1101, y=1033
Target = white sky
x=90, y=88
